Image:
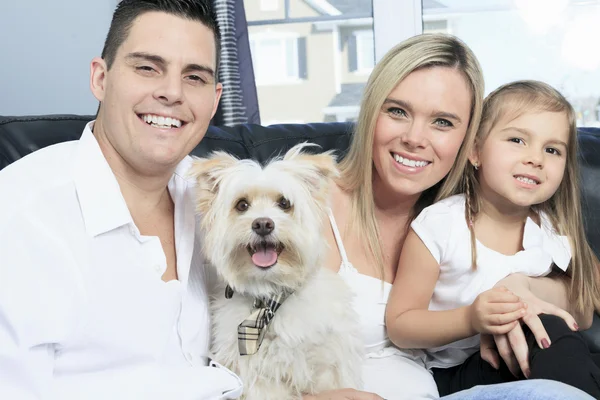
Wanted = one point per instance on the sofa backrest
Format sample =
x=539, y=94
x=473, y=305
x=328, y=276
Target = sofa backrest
x=20, y=136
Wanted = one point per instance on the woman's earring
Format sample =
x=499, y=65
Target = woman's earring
x=476, y=166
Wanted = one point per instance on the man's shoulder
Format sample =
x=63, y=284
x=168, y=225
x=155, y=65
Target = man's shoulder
x=44, y=162
x=37, y=175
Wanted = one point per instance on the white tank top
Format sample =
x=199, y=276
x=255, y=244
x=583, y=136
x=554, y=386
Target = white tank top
x=388, y=371
x=370, y=301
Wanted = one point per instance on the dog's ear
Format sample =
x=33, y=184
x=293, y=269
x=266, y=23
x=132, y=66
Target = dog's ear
x=208, y=172
x=317, y=170
x=325, y=163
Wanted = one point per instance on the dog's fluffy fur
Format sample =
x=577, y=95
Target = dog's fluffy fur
x=313, y=343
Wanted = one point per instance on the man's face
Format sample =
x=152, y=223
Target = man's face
x=159, y=95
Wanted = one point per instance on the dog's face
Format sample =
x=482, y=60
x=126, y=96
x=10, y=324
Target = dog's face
x=263, y=226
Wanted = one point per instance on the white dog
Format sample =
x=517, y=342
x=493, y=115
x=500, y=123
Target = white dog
x=263, y=235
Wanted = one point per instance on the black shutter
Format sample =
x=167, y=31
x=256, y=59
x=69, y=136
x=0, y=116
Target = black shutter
x=302, y=63
x=352, y=55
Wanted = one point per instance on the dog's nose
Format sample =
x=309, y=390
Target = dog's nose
x=263, y=226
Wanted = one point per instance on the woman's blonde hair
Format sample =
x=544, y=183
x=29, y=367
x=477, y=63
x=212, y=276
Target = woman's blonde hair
x=564, y=210
x=416, y=53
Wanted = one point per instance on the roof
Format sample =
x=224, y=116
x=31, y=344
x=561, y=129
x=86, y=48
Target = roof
x=427, y=4
x=350, y=95
x=363, y=7
x=354, y=7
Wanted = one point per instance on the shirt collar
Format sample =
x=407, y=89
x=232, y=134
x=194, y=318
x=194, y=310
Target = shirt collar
x=544, y=236
x=102, y=204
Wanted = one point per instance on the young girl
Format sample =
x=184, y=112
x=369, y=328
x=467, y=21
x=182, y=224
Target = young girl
x=520, y=213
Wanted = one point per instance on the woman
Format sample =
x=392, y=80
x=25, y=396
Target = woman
x=419, y=114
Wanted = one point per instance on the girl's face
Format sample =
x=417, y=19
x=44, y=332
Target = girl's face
x=419, y=130
x=522, y=161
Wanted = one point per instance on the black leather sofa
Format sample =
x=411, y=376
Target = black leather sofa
x=20, y=136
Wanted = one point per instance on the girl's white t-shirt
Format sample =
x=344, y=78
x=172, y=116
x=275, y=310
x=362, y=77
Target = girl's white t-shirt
x=443, y=229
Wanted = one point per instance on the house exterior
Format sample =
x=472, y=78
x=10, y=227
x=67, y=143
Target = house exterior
x=305, y=52
x=311, y=58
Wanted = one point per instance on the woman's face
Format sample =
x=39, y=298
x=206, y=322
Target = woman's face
x=419, y=130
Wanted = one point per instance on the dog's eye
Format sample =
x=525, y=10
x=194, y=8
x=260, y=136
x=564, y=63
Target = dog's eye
x=242, y=205
x=284, y=203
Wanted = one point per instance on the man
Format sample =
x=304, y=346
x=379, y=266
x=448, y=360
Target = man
x=97, y=297
x=102, y=290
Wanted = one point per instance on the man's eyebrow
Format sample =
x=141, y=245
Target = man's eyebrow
x=147, y=57
x=200, y=68
x=158, y=60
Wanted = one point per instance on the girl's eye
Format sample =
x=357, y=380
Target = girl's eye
x=284, y=204
x=242, y=205
x=554, y=151
x=396, y=112
x=516, y=140
x=443, y=123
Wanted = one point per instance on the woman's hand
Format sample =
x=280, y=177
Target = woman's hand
x=343, y=394
x=496, y=311
x=512, y=346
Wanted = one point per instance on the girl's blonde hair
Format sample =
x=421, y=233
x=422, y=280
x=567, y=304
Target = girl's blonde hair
x=416, y=53
x=564, y=210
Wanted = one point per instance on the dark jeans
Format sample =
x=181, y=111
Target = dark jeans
x=567, y=360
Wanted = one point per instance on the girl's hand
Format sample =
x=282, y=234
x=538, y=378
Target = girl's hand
x=519, y=285
x=512, y=346
x=496, y=311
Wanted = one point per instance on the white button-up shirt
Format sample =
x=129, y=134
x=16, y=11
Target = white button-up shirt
x=84, y=313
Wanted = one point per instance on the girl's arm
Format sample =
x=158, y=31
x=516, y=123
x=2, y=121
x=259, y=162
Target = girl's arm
x=411, y=325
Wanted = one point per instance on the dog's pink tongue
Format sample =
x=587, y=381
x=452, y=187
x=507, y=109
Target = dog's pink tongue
x=264, y=258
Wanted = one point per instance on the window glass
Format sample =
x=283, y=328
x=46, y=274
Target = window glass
x=311, y=58
x=554, y=41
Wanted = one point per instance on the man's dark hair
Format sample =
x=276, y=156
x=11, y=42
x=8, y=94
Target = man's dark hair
x=128, y=10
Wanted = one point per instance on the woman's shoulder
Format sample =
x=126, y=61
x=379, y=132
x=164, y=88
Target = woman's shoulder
x=339, y=200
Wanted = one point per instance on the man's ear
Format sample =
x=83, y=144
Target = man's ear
x=98, y=70
x=208, y=173
x=218, y=93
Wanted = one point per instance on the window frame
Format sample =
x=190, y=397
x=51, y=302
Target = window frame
x=284, y=39
x=395, y=21
x=360, y=35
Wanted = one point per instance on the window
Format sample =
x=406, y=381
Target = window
x=312, y=58
x=436, y=26
x=269, y=5
x=276, y=58
x=554, y=41
x=365, y=51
